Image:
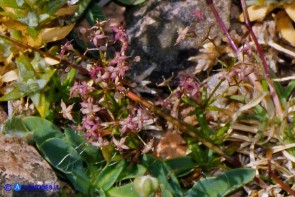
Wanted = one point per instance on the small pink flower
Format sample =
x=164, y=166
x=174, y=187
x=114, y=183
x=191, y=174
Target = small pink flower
x=65, y=48
x=128, y=124
x=120, y=144
x=95, y=71
x=247, y=48
x=89, y=108
x=189, y=85
x=96, y=37
x=118, y=59
x=99, y=24
x=121, y=36
x=148, y=147
x=119, y=33
x=80, y=90
x=91, y=124
x=66, y=111
x=100, y=142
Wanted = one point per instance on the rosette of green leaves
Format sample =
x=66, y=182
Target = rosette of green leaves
x=33, y=79
x=38, y=22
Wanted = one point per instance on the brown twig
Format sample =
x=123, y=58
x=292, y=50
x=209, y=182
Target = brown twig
x=183, y=127
x=275, y=177
x=44, y=54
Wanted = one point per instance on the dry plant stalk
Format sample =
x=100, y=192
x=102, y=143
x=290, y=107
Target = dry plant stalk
x=183, y=127
x=252, y=77
x=255, y=80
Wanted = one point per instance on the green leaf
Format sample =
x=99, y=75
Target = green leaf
x=94, y=160
x=11, y=3
x=111, y=103
x=41, y=102
x=58, y=152
x=88, y=152
x=31, y=19
x=31, y=3
x=223, y=184
x=45, y=78
x=109, y=175
x=79, y=179
x=6, y=48
x=40, y=99
x=14, y=126
x=123, y=191
x=28, y=87
x=42, y=128
x=181, y=166
x=202, y=156
x=132, y=172
x=25, y=67
x=239, y=98
x=220, y=135
x=94, y=13
x=281, y=91
x=12, y=95
x=205, y=131
x=69, y=81
x=160, y=170
x=289, y=89
x=53, y=5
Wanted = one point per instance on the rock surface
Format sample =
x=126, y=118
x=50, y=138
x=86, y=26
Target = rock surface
x=153, y=30
x=21, y=164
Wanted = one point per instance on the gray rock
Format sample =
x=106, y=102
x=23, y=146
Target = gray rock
x=153, y=30
x=21, y=164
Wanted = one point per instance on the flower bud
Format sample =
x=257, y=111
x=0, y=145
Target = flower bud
x=145, y=185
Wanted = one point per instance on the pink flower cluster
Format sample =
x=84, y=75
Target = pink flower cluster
x=116, y=68
x=237, y=74
x=189, y=86
x=115, y=71
x=135, y=120
x=65, y=49
x=103, y=126
x=121, y=36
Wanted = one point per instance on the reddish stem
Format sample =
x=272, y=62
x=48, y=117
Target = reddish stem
x=222, y=26
x=254, y=38
x=277, y=179
x=183, y=127
x=259, y=50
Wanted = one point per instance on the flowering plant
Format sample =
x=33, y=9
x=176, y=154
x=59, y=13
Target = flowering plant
x=104, y=114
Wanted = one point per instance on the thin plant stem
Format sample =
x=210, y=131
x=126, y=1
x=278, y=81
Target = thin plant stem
x=272, y=90
x=183, y=127
x=222, y=27
x=254, y=38
x=44, y=54
x=275, y=177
